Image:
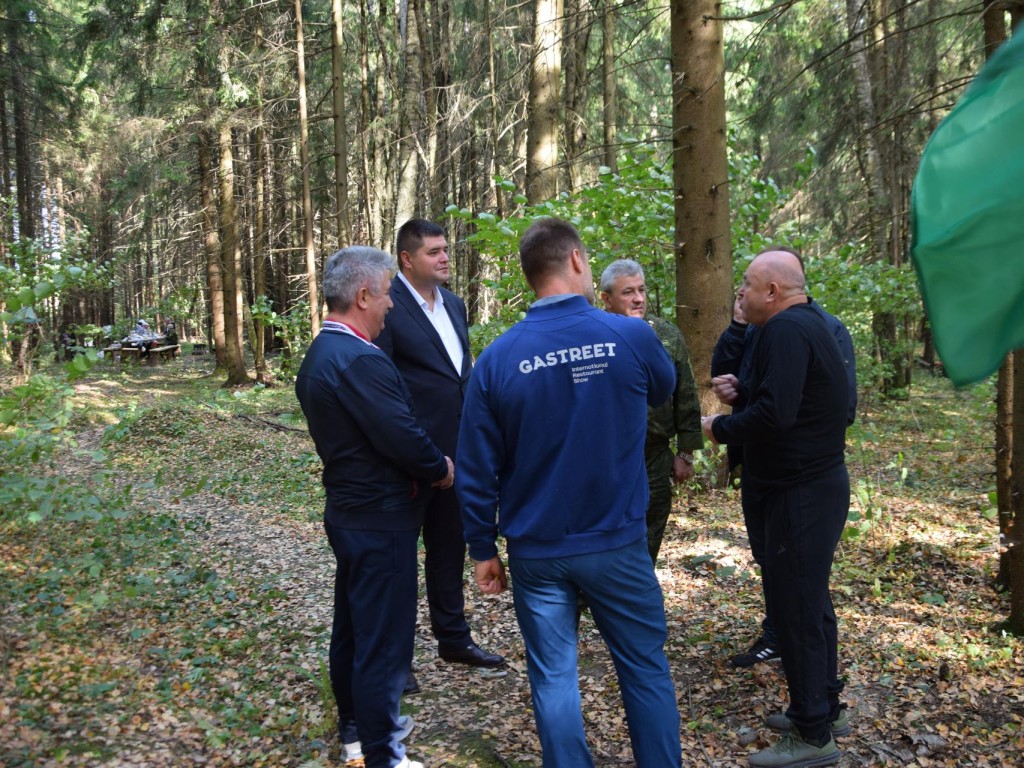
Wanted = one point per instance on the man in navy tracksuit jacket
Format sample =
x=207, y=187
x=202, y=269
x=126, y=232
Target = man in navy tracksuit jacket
x=793, y=433
x=553, y=433
x=377, y=463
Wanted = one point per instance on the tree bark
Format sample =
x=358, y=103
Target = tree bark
x=411, y=122
x=260, y=247
x=307, y=200
x=231, y=259
x=22, y=150
x=703, y=250
x=577, y=41
x=610, y=90
x=495, y=138
x=542, y=108
x=6, y=211
x=211, y=242
x=340, y=132
x=1013, y=533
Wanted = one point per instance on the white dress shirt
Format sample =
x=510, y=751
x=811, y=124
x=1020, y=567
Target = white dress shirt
x=442, y=323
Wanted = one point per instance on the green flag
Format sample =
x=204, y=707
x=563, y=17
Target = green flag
x=967, y=218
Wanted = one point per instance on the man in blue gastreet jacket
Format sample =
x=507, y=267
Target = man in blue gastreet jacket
x=551, y=457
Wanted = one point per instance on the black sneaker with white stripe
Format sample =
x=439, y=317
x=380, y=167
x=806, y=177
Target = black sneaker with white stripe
x=759, y=652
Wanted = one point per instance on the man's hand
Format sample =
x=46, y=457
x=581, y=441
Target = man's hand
x=490, y=576
x=705, y=427
x=726, y=388
x=447, y=482
x=682, y=470
x=737, y=311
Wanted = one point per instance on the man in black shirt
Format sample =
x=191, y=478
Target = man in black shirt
x=793, y=433
x=732, y=355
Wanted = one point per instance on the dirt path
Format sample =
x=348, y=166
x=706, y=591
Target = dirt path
x=218, y=658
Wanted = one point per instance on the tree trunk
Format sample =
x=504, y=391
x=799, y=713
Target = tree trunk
x=260, y=247
x=610, y=92
x=703, y=252
x=577, y=24
x=1004, y=428
x=495, y=138
x=436, y=59
x=231, y=259
x=6, y=211
x=542, y=108
x=22, y=151
x=340, y=133
x=307, y=200
x=411, y=122
x=211, y=241
x=1013, y=535
x=261, y=204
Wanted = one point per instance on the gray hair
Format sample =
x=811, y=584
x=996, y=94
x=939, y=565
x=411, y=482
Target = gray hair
x=615, y=270
x=352, y=268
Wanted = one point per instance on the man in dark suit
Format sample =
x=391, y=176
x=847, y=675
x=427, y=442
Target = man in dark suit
x=427, y=336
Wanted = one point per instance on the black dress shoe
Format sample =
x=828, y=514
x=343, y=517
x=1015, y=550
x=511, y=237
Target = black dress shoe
x=411, y=685
x=471, y=654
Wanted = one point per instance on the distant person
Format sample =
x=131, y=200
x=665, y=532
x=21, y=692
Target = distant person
x=793, y=433
x=551, y=456
x=624, y=292
x=427, y=336
x=141, y=337
x=732, y=356
x=170, y=334
x=378, y=465
x=68, y=344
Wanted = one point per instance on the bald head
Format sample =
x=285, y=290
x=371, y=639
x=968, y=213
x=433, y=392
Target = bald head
x=774, y=281
x=785, y=268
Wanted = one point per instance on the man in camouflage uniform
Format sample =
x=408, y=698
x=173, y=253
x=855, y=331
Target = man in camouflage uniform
x=624, y=292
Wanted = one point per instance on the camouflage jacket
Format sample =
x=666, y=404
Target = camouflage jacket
x=680, y=414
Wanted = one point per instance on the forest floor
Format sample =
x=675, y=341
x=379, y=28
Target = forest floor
x=193, y=631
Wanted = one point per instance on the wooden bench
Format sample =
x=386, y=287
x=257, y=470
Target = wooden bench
x=119, y=354
x=157, y=354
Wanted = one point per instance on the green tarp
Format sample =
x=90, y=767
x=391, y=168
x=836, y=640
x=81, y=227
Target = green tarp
x=967, y=216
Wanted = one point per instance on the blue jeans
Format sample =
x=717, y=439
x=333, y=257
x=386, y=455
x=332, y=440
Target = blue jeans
x=626, y=602
x=372, y=638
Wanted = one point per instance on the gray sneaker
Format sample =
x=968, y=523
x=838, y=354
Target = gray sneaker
x=839, y=727
x=794, y=752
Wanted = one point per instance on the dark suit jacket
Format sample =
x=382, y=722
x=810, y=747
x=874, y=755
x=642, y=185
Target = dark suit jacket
x=419, y=354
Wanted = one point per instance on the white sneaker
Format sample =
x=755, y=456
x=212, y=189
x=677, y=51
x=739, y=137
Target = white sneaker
x=354, y=751
x=354, y=755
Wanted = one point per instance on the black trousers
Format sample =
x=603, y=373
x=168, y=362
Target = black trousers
x=803, y=523
x=444, y=569
x=751, y=499
x=372, y=635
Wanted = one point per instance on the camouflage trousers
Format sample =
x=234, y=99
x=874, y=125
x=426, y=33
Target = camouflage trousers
x=659, y=482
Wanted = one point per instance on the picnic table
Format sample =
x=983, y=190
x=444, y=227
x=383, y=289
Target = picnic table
x=133, y=345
